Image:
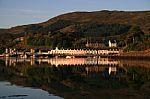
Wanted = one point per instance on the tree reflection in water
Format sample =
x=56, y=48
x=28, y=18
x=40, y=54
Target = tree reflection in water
x=82, y=81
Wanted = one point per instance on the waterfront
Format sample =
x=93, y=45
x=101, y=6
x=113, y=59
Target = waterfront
x=74, y=78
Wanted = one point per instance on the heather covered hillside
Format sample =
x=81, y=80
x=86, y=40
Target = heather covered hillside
x=70, y=20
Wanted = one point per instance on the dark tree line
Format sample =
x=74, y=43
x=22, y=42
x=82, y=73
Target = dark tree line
x=104, y=30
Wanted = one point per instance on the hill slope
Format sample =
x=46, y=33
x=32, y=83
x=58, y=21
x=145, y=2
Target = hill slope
x=141, y=19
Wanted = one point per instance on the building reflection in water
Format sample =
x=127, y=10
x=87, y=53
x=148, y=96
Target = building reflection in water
x=92, y=64
x=64, y=61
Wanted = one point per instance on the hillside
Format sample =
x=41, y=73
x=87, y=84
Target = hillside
x=141, y=18
x=72, y=30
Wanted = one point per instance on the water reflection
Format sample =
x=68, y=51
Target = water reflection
x=78, y=78
x=63, y=61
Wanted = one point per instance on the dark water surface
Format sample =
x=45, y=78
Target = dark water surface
x=74, y=78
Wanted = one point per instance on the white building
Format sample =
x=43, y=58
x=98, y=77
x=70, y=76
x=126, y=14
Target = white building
x=68, y=51
x=112, y=43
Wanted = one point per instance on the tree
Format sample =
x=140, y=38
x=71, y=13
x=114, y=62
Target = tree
x=134, y=34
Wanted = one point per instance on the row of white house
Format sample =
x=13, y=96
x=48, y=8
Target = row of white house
x=82, y=52
x=112, y=50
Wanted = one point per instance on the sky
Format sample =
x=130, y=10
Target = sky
x=22, y=12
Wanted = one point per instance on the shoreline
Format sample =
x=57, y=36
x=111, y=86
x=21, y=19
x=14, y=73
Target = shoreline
x=121, y=55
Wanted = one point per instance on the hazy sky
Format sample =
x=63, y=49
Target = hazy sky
x=21, y=12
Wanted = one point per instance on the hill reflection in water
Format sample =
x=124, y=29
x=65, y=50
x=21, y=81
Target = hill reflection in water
x=79, y=78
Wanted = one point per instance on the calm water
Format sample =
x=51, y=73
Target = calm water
x=74, y=78
x=9, y=91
